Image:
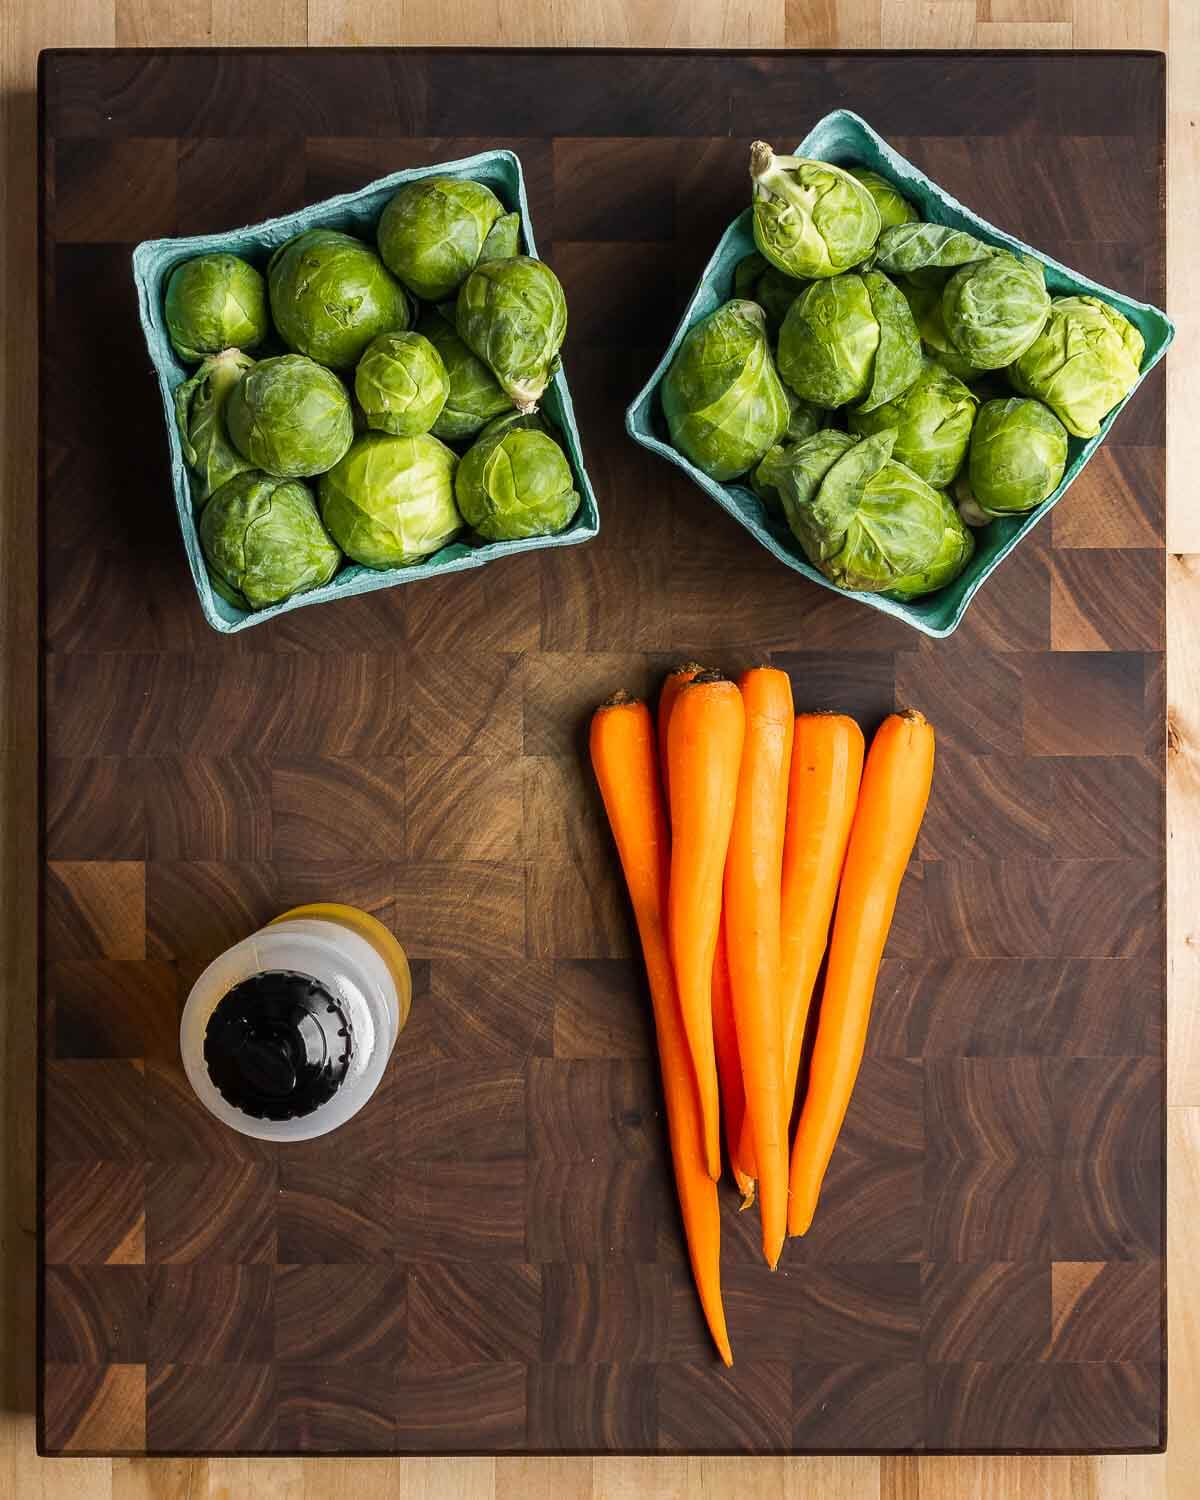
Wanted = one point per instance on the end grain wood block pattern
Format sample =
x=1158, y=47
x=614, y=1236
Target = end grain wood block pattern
x=489, y=1258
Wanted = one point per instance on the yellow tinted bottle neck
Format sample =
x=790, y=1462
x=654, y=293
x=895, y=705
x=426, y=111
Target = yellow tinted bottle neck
x=370, y=928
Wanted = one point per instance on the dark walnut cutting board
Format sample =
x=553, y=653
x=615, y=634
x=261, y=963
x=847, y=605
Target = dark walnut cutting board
x=488, y=1258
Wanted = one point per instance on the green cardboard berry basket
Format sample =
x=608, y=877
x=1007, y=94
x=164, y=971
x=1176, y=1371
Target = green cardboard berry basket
x=356, y=213
x=847, y=140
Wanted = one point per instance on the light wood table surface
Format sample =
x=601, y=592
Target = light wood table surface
x=28, y=25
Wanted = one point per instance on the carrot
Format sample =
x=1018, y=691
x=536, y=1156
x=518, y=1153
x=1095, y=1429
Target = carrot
x=753, y=874
x=891, y=804
x=827, y=761
x=729, y=1072
x=729, y=1065
x=704, y=750
x=626, y=767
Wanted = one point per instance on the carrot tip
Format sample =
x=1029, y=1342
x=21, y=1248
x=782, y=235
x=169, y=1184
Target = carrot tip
x=619, y=699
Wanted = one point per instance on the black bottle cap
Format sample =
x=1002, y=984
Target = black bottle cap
x=277, y=1046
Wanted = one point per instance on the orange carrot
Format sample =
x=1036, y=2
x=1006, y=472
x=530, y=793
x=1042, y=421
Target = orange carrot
x=704, y=750
x=626, y=767
x=827, y=761
x=891, y=804
x=729, y=1072
x=729, y=1064
x=675, y=680
x=753, y=873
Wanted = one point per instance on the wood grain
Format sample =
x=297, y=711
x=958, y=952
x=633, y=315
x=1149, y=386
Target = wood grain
x=810, y=22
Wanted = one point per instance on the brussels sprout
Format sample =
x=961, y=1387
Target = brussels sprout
x=331, y=295
x=803, y=418
x=894, y=208
x=810, y=218
x=869, y=522
x=264, y=541
x=401, y=384
x=503, y=239
x=200, y=413
x=925, y=304
x=390, y=501
x=515, y=483
x=756, y=280
x=513, y=315
x=1083, y=363
x=933, y=420
x=955, y=552
x=1018, y=454
x=797, y=469
x=215, y=302
x=746, y=274
x=995, y=308
x=906, y=249
x=474, y=396
x=722, y=399
x=290, y=416
x=431, y=233
x=849, y=339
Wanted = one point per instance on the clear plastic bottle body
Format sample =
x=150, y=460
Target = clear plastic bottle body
x=355, y=961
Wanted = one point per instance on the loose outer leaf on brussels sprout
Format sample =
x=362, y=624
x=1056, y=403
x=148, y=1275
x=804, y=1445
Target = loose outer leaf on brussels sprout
x=390, y=501
x=263, y=539
x=503, y=239
x=898, y=357
x=513, y=315
x=994, y=309
x=1084, y=362
x=893, y=206
x=841, y=491
x=331, y=295
x=401, y=384
x=208, y=451
x=432, y=232
x=515, y=482
x=215, y=302
x=290, y=416
x=810, y=218
x=722, y=398
x=933, y=420
x=795, y=473
x=905, y=248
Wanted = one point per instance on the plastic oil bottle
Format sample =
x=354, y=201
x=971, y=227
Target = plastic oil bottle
x=287, y=1035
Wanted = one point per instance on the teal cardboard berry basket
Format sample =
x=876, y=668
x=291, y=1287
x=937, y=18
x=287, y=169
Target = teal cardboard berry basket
x=847, y=140
x=356, y=213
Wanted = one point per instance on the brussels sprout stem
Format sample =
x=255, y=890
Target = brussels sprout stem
x=970, y=511
x=771, y=174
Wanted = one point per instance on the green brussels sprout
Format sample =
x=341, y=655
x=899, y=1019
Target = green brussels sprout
x=1018, y=455
x=215, y=302
x=503, y=239
x=723, y=401
x=810, y=218
x=925, y=303
x=756, y=280
x=432, y=232
x=913, y=248
x=290, y=416
x=401, y=384
x=803, y=418
x=515, y=482
x=995, y=308
x=869, y=522
x=847, y=339
x=513, y=315
x=1083, y=363
x=200, y=414
x=390, y=501
x=527, y=421
x=474, y=396
x=263, y=540
x=798, y=468
x=933, y=421
x=894, y=208
x=331, y=295
x=955, y=552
